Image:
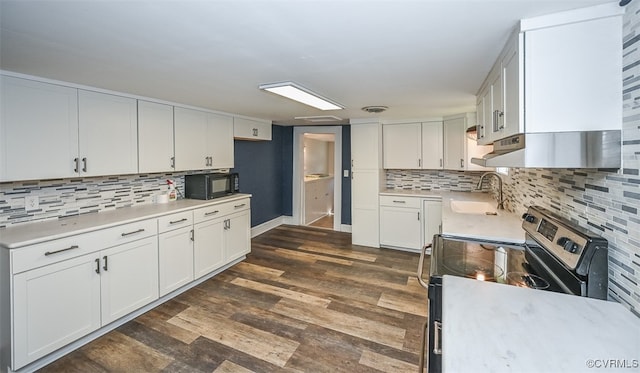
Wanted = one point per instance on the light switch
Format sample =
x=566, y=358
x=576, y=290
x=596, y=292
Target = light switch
x=345, y=173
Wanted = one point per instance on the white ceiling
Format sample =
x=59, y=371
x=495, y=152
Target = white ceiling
x=420, y=58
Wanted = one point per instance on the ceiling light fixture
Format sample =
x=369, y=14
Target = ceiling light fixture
x=303, y=95
x=320, y=118
x=374, y=109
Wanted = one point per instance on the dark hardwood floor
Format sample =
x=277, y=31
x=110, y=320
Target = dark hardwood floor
x=305, y=300
x=324, y=222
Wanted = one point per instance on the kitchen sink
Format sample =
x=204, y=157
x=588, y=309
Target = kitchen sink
x=473, y=207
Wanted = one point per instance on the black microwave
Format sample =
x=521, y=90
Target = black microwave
x=208, y=186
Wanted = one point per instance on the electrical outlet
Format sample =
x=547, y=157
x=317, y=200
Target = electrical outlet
x=31, y=203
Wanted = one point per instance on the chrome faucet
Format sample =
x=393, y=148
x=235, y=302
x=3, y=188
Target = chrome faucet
x=479, y=187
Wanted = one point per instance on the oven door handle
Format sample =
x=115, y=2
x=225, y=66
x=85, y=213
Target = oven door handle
x=421, y=266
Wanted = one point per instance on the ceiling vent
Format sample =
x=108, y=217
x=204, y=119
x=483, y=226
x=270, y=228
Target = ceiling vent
x=374, y=109
x=320, y=118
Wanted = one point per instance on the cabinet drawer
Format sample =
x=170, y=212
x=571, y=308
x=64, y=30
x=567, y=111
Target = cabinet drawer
x=54, y=251
x=175, y=221
x=399, y=201
x=221, y=209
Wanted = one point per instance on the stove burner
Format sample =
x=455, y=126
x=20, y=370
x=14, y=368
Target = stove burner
x=477, y=268
x=526, y=280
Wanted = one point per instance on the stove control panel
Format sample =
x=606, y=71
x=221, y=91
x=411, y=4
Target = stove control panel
x=565, y=241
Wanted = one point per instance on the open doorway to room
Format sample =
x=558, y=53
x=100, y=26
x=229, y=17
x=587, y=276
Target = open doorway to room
x=318, y=152
x=317, y=169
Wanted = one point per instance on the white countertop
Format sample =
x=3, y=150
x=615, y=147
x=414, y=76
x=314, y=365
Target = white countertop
x=32, y=233
x=504, y=227
x=490, y=327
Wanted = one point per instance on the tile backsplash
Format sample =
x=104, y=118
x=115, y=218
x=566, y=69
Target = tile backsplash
x=67, y=197
x=437, y=180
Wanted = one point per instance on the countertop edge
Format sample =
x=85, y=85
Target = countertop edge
x=110, y=221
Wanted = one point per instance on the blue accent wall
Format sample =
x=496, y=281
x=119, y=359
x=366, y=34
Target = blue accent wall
x=287, y=170
x=260, y=166
x=346, y=181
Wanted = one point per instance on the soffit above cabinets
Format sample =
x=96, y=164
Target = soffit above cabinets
x=419, y=58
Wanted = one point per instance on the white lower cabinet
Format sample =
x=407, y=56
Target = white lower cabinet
x=53, y=306
x=237, y=240
x=400, y=222
x=62, y=290
x=176, y=259
x=59, y=303
x=408, y=222
x=208, y=246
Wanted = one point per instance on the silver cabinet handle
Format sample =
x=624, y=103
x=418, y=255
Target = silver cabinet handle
x=421, y=266
x=419, y=162
x=394, y=201
x=173, y=162
x=76, y=161
x=211, y=213
x=254, y=132
x=437, y=328
x=61, y=250
x=241, y=205
x=440, y=162
x=501, y=120
x=84, y=164
x=134, y=232
x=192, y=235
x=418, y=215
x=461, y=163
x=97, y=265
x=106, y=263
x=178, y=221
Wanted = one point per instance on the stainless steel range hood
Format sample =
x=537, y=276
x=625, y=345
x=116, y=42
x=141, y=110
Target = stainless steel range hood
x=592, y=149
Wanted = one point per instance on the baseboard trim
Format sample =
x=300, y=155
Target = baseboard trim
x=267, y=226
x=345, y=228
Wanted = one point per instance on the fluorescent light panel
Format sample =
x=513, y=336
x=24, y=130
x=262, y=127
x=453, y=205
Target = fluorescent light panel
x=295, y=92
x=320, y=118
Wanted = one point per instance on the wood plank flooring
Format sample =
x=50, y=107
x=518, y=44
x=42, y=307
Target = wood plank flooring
x=305, y=300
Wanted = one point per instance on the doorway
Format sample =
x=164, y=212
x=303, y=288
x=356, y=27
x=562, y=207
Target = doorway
x=317, y=169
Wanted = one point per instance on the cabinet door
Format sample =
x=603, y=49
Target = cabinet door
x=497, y=102
x=432, y=219
x=432, y=145
x=208, y=243
x=237, y=236
x=454, y=144
x=38, y=130
x=247, y=129
x=175, y=255
x=364, y=146
x=190, y=140
x=54, y=306
x=155, y=137
x=108, y=134
x=511, y=88
x=401, y=227
x=401, y=146
x=488, y=115
x=220, y=141
x=129, y=277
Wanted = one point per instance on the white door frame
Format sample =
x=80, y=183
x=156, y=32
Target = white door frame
x=298, y=172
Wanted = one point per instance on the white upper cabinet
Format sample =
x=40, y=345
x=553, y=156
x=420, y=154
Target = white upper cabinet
x=454, y=144
x=248, y=129
x=191, y=140
x=402, y=146
x=108, y=134
x=557, y=73
x=220, y=140
x=38, y=130
x=365, y=147
x=203, y=141
x=432, y=143
x=155, y=137
x=413, y=145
